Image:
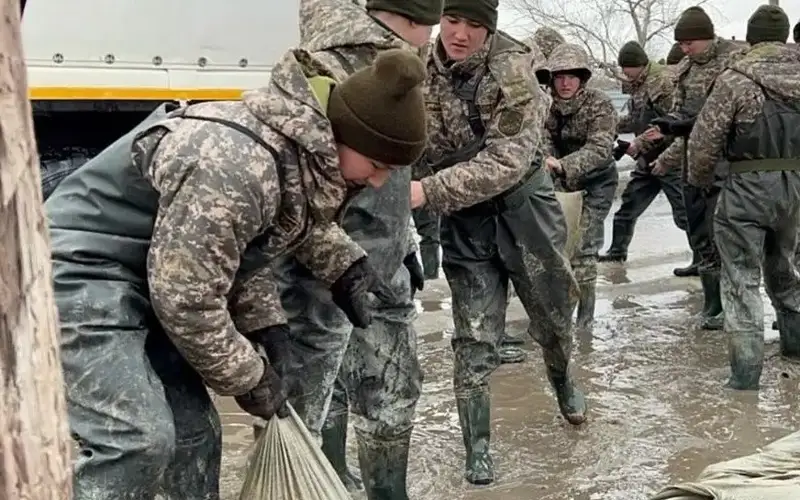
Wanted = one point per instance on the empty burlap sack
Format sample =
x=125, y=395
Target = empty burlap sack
x=286, y=464
x=572, y=205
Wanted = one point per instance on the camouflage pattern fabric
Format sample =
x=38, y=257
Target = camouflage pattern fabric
x=758, y=212
x=158, y=256
x=651, y=93
x=343, y=38
x=547, y=39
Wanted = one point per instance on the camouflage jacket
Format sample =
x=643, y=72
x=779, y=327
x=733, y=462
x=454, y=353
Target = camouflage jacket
x=694, y=76
x=219, y=190
x=343, y=38
x=512, y=109
x=737, y=97
x=547, y=39
x=589, y=120
x=654, y=87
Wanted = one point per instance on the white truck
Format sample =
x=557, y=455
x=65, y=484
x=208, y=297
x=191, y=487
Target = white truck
x=96, y=69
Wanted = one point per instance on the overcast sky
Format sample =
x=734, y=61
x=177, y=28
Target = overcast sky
x=734, y=23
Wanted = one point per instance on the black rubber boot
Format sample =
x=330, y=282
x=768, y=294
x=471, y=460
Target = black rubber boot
x=747, y=360
x=571, y=401
x=586, y=304
x=692, y=269
x=620, y=239
x=384, y=464
x=712, y=317
x=789, y=330
x=334, y=446
x=474, y=415
x=430, y=261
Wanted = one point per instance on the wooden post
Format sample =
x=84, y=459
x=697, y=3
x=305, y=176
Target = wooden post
x=34, y=439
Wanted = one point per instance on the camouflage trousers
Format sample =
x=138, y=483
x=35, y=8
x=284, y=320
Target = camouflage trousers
x=756, y=228
x=599, y=188
x=141, y=416
x=319, y=332
x=700, y=207
x=519, y=236
x=642, y=188
x=380, y=380
x=428, y=224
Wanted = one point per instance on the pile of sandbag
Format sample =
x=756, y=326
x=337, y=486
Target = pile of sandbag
x=772, y=474
x=287, y=464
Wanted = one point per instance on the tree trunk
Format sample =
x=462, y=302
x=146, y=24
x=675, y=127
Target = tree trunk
x=34, y=439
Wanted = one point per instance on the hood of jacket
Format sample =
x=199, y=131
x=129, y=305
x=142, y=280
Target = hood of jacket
x=326, y=24
x=773, y=66
x=296, y=108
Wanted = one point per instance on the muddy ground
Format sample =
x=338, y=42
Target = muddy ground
x=658, y=409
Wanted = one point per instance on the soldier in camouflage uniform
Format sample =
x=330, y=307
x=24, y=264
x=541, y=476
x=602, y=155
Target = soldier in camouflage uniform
x=379, y=376
x=750, y=118
x=501, y=217
x=675, y=55
x=651, y=96
x=547, y=39
x=162, y=251
x=707, y=55
x=579, y=139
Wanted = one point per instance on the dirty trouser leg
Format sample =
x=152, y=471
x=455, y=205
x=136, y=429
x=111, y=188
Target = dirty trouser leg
x=639, y=193
x=383, y=378
x=427, y=224
x=479, y=287
x=319, y=335
x=672, y=186
x=701, y=205
x=126, y=389
x=598, y=197
x=531, y=238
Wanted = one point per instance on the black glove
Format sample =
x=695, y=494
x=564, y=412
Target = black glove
x=672, y=126
x=621, y=149
x=267, y=398
x=275, y=341
x=417, y=273
x=350, y=292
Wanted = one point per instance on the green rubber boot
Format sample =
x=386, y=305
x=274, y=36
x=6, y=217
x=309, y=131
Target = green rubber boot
x=789, y=331
x=746, y=351
x=586, y=305
x=384, y=464
x=571, y=401
x=474, y=415
x=334, y=446
x=712, y=317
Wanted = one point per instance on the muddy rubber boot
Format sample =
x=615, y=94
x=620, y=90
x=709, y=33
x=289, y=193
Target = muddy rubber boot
x=571, y=401
x=789, y=328
x=474, y=417
x=384, y=464
x=510, y=354
x=712, y=316
x=692, y=269
x=618, y=251
x=334, y=446
x=746, y=351
x=586, y=305
x=430, y=261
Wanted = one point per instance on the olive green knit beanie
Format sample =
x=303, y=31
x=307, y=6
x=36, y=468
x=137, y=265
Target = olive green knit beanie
x=425, y=12
x=632, y=55
x=694, y=24
x=379, y=111
x=483, y=12
x=675, y=54
x=769, y=23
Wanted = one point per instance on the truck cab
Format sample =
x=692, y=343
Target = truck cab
x=96, y=69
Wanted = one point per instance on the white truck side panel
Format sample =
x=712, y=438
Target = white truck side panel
x=165, y=44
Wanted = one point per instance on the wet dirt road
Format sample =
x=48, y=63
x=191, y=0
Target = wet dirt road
x=658, y=409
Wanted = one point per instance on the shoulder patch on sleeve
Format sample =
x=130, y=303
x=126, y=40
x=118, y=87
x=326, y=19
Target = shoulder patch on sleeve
x=510, y=122
x=513, y=73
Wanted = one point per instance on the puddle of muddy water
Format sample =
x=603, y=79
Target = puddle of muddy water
x=658, y=409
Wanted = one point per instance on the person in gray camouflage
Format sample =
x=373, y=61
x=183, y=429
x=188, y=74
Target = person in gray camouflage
x=750, y=118
x=162, y=247
x=501, y=220
x=581, y=129
x=372, y=371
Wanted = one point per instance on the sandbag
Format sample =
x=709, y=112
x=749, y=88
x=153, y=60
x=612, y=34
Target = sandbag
x=772, y=474
x=287, y=464
x=572, y=206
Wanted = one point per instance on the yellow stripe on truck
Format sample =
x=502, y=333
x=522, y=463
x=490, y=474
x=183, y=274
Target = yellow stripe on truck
x=131, y=94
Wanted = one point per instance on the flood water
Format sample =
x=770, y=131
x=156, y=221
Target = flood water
x=658, y=412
